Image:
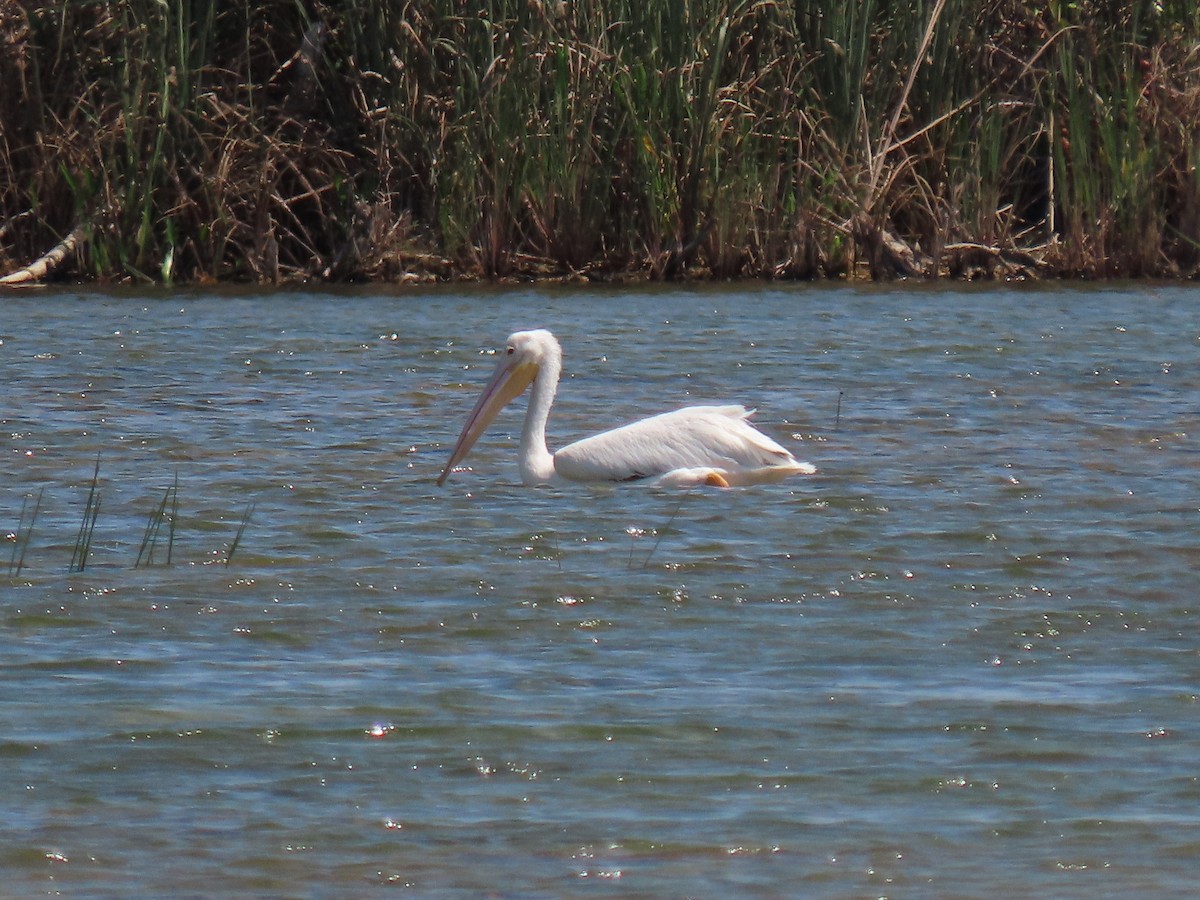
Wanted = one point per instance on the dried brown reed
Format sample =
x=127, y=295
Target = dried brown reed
x=276, y=141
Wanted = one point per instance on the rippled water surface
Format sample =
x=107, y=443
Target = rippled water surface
x=962, y=659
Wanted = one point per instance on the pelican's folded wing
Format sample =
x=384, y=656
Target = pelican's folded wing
x=718, y=438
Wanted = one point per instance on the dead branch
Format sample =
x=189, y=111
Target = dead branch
x=44, y=265
x=966, y=258
x=7, y=226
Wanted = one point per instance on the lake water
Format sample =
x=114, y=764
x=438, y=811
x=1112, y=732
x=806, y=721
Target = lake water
x=962, y=659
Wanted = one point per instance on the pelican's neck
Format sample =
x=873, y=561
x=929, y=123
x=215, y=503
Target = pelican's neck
x=537, y=462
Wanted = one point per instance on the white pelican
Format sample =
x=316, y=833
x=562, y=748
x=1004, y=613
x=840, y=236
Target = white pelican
x=713, y=445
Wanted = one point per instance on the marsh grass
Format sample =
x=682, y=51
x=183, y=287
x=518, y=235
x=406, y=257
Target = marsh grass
x=87, y=526
x=23, y=534
x=660, y=533
x=241, y=530
x=159, y=535
x=275, y=141
x=168, y=511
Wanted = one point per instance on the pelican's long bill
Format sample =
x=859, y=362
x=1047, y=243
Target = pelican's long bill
x=508, y=381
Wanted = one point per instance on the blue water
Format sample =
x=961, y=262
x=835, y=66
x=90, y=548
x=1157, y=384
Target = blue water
x=961, y=660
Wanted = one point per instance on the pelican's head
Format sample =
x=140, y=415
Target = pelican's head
x=525, y=354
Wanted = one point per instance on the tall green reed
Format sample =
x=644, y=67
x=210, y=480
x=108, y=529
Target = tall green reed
x=1106, y=157
x=166, y=511
x=276, y=140
x=24, y=534
x=87, y=527
x=241, y=531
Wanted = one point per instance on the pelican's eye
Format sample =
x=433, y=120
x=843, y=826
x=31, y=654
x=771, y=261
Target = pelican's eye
x=511, y=350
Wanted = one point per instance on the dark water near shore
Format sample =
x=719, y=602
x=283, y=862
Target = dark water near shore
x=962, y=659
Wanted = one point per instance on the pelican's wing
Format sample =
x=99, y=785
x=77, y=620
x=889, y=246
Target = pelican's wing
x=703, y=439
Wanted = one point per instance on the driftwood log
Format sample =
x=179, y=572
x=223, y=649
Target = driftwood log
x=44, y=265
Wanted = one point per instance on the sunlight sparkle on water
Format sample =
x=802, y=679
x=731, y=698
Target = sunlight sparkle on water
x=988, y=583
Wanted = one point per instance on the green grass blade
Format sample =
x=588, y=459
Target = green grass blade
x=174, y=517
x=237, y=538
x=87, y=527
x=28, y=530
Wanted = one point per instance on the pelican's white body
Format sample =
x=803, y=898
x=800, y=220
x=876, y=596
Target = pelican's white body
x=697, y=445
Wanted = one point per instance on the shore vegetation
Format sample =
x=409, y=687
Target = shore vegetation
x=291, y=140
